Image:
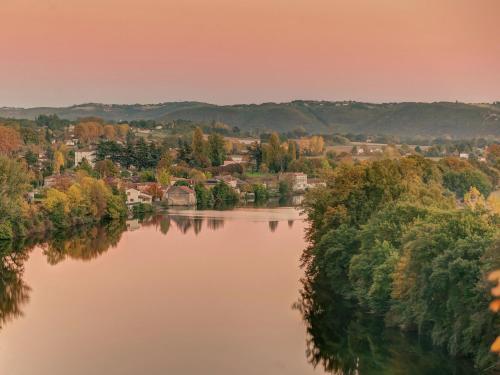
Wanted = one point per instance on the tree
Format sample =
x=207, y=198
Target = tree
x=224, y=195
x=216, y=150
x=106, y=168
x=165, y=162
x=31, y=158
x=474, y=200
x=204, y=198
x=58, y=162
x=10, y=140
x=109, y=132
x=273, y=154
x=316, y=145
x=461, y=181
x=200, y=154
x=256, y=153
x=155, y=191
x=14, y=183
x=163, y=177
x=386, y=237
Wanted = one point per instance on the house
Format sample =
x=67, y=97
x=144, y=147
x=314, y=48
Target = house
x=180, y=196
x=87, y=155
x=297, y=180
x=315, y=182
x=233, y=159
x=464, y=155
x=135, y=196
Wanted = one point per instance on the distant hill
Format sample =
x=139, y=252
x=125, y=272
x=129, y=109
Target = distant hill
x=457, y=120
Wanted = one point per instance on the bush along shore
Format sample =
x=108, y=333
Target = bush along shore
x=390, y=238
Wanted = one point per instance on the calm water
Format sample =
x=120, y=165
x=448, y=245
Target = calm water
x=185, y=293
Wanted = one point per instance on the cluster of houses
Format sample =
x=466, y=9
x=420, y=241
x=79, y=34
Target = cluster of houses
x=183, y=195
x=173, y=195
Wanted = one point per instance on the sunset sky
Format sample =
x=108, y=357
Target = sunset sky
x=62, y=52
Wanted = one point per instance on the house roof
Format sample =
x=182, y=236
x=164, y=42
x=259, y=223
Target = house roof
x=184, y=189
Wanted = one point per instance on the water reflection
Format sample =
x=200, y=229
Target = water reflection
x=85, y=244
x=273, y=225
x=345, y=341
x=14, y=293
x=187, y=222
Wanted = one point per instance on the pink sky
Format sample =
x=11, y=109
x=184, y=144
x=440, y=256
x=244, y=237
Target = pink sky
x=61, y=52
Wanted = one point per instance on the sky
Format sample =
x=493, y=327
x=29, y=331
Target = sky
x=64, y=52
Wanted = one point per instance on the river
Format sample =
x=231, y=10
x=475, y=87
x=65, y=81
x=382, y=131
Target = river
x=188, y=292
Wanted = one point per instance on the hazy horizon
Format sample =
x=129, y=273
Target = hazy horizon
x=231, y=52
x=243, y=104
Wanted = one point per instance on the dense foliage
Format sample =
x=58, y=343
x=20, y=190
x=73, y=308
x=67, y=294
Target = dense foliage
x=70, y=202
x=388, y=237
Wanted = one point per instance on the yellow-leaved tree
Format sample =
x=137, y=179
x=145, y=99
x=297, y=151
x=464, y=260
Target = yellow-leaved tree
x=58, y=162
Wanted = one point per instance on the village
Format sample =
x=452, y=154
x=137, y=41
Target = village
x=158, y=165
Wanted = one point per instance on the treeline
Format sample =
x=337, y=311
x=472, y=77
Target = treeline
x=390, y=238
x=70, y=202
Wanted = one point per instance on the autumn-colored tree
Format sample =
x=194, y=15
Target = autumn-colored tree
x=473, y=199
x=58, y=161
x=495, y=305
x=163, y=177
x=109, y=132
x=88, y=131
x=199, y=146
x=316, y=145
x=493, y=203
x=494, y=150
x=165, y=161
x=122, y=130
x=273, y=154
x=10, y=140
x=106, y=168
x=155, y=191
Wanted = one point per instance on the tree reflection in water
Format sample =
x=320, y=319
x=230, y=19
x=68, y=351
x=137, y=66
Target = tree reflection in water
x=14, y=292
x=83, y=244
x=273, y=225
x=183, y=223
x=345, y=341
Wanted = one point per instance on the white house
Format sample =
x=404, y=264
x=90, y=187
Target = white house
x=135, y=196
x=464, y=155
x=87, y=155
x=298, y=180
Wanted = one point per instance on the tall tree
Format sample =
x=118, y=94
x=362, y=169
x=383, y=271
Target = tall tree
x=200, y=154
x=216, y=149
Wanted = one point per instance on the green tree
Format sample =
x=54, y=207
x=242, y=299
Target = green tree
x=216, y=149
x=199, y=147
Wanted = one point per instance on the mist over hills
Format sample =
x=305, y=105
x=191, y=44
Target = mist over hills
x=457, y=120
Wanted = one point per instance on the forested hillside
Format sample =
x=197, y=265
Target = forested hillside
x=456, y=120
